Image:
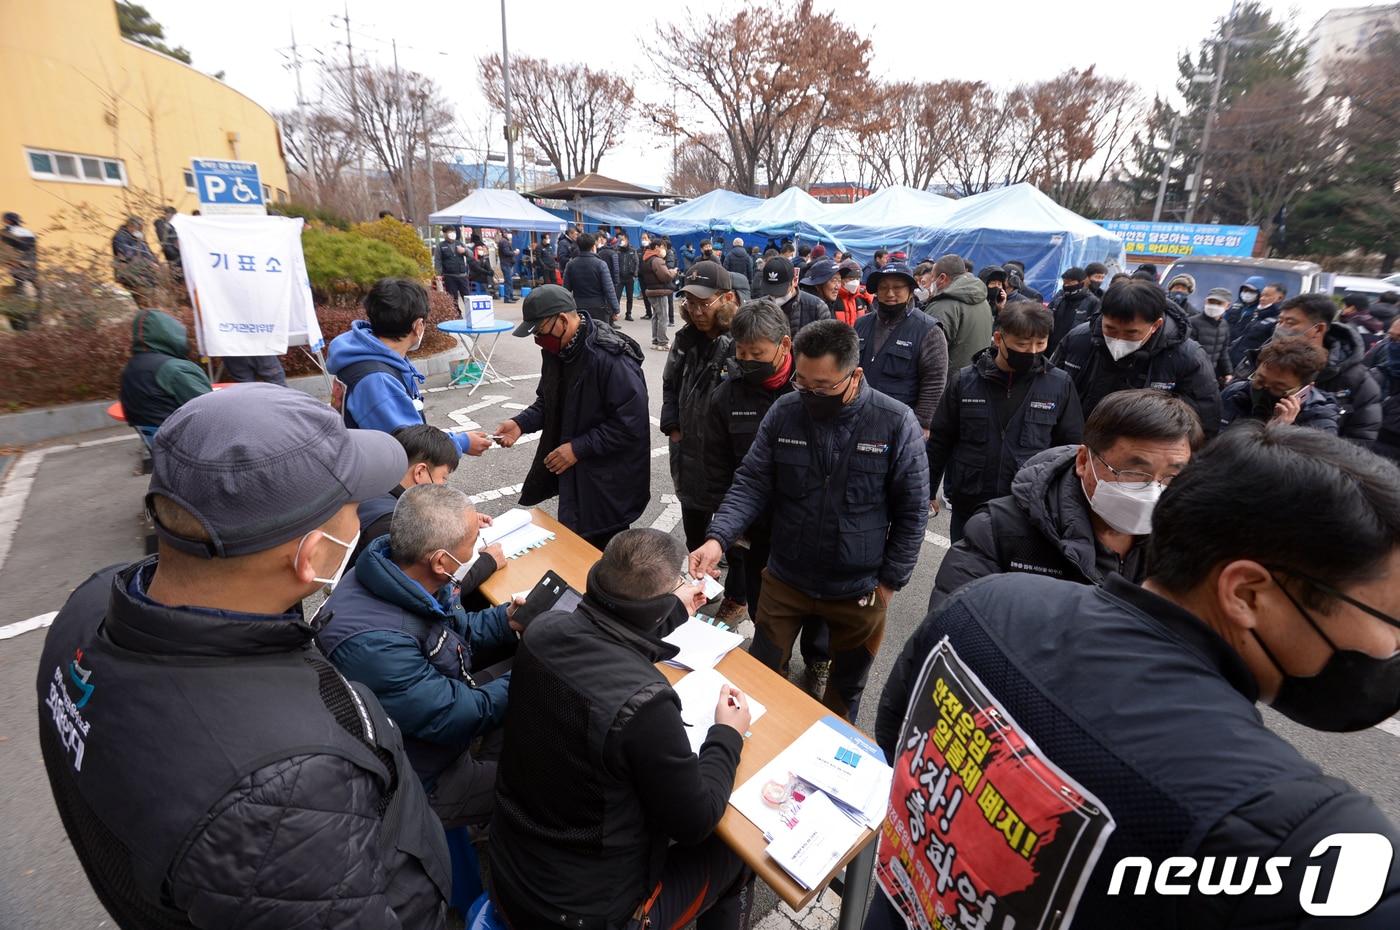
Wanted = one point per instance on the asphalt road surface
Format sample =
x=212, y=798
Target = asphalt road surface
x=73, y=506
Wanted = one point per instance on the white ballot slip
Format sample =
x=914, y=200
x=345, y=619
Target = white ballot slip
x=699, y=693
x=812, y=847
x=516, y=531
x=701, y=644
x=708, y=585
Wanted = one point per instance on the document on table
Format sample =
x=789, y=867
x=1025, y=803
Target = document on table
x=800, y=771
x=516, y=531
x=810, y=849
x=844, y=768
x=699, y=694
x=701, y=644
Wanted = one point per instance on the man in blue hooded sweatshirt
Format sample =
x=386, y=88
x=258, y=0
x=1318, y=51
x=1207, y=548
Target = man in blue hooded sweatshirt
x=377, y=386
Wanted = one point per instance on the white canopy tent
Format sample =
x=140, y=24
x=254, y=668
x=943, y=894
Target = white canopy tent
x=498, y=209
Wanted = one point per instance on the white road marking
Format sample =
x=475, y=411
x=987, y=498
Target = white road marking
x=9, y=631
x=515, y=406
x=655, y=421
x=659, y=451
x=460, y=415
x=671, y=515
x=495, y=494
x=1390, y=725
x=529, y=437
x=942, y=542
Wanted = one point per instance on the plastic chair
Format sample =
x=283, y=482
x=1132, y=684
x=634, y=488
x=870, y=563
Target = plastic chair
x=466, y=871
x=484, y=916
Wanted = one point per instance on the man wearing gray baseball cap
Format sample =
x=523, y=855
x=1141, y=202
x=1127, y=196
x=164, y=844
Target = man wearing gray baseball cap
x=211, y=768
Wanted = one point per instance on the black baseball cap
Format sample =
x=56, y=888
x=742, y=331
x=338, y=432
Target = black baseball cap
x=706, y=279
x=820, y=271
x=260, y=464
x=542, y=303
x=777, y=277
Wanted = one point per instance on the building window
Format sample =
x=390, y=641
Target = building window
x=47, y=165
x=281, y=195
x=189, y=181
x=267, y=193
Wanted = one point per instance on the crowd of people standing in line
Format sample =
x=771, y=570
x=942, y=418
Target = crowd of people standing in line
x=812, y=408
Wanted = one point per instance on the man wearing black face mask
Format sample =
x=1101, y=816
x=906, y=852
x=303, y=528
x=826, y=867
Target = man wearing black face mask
x=1282, y=390
x=1146, y=696
x=1074, y=304
x=903, y=350
x=1005, y=407
x=844, y=471
x=597, y=779
x=591, y=403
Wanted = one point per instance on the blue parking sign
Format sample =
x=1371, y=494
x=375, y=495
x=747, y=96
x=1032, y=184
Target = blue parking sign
x=228, y=186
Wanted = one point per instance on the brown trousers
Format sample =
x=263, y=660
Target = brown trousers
x=856, y=633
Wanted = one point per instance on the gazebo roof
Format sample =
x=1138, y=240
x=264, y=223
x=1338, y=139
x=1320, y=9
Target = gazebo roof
x=595, y=185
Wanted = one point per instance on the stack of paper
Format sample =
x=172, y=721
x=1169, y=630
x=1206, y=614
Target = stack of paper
x=810, y=850
x=845, y=767
x=701, y=644
x=516, y=531
x=699, y=694
x=804, y=763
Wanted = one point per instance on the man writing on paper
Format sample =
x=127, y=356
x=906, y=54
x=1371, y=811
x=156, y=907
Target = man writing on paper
x=396, y=625
x=844, y=471
x=595, y=451
x=597, y=778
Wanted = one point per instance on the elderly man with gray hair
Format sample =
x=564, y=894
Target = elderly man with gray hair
x=395, y=624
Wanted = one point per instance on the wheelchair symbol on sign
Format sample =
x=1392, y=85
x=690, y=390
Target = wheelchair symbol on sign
x=241, y=192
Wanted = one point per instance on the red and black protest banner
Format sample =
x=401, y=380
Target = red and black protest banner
x=983, y=831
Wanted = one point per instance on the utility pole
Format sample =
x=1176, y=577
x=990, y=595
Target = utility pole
x=510, y=123
x=1166, y=171
x=1222, y=52
x=401, y=101
x=296, y=68
x=355, y=107
x=427, y=151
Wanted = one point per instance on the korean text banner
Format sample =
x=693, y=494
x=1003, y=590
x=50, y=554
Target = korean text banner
x=983, y=830
x=247, y=281
x=1175, y=240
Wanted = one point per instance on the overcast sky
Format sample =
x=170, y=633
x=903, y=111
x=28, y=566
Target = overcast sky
x=1003, y=42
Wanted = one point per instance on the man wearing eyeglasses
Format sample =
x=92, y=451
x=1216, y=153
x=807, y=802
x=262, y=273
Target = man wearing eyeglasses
x=1081, y=513
x=844, y=471
x=1282, y=389
x=1146, y=696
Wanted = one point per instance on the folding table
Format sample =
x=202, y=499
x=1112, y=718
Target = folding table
x=463, y=329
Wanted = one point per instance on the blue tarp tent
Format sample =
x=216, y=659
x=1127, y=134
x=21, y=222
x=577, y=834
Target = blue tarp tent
x=792, y=214
x=699, y=216
x=892, y=218
x=1021, y=222
x=497, y=209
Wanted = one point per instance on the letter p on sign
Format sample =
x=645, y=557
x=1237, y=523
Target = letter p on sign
x=213, y=186
x=1363, y=861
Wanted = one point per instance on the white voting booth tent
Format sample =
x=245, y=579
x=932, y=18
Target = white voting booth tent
x=246, y=277
x=497, y=209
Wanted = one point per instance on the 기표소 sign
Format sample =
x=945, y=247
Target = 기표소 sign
x=228, y=187
x=983, y=830
x=1175, y=240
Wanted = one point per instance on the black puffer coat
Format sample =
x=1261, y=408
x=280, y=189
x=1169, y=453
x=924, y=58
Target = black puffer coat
x=1170, y=361
x=1346, y=378
x=694, y=367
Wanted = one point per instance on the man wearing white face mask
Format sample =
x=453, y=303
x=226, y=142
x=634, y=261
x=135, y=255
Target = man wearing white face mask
x=282, y=765
x=1081, y=513
x=1139, y=340
x=1210, y=329
x=396, y=625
